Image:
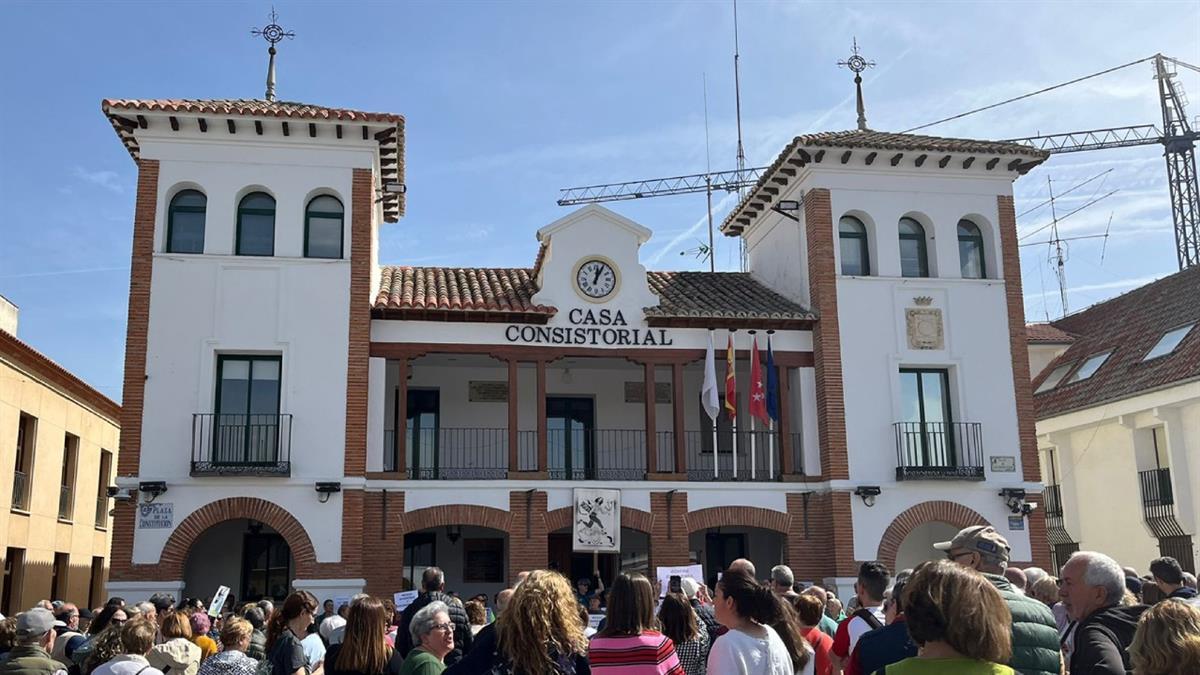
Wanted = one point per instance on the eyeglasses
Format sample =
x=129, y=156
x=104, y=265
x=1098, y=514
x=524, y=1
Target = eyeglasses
x=444, y=627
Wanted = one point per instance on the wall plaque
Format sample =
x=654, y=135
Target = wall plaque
x=924, y=328
x=635, y=392
x=1016, y=522
x=483, y=391
x=156, y=516
x=1004, y=463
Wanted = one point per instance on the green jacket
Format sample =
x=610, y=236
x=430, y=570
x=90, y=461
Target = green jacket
x=421, y=662
x=1034, y=634
x=32, y=660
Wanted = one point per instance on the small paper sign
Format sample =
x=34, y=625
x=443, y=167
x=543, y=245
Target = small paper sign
x=594, y=621
x=664, y=575
x=404, y=598
x=156, y=516
x=1016, y=522
x=218, y=601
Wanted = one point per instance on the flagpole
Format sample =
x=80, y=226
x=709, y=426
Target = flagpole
x=753, y=453
x=772, y=412
x=733, y=417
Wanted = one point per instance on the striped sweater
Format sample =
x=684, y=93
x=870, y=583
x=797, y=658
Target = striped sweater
x=650, y=653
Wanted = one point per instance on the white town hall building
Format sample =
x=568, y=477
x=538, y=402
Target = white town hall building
x=297, y=414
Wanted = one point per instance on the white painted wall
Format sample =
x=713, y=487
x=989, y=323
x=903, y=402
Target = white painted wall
x=218, y=303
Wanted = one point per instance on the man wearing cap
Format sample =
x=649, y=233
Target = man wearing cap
x=30, y=654
x=691, y=590
x=1035, y=643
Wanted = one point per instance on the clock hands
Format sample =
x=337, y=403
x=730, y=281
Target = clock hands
x=596, y=277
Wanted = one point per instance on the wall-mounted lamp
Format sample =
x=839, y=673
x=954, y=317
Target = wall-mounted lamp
x=152, y=488
x=786, y=207
x=454, y=533
x=1014, y=499
x=868, y=493
x=326, y=490
x=390, y=189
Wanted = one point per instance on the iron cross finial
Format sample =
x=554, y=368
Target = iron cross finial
x=273, y=32
x=856, y=63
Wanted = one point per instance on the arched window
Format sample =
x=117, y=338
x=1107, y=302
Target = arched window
x=913, y=260
x=185, y=222
x=256, y=225
x=970, y=250
x=852, y=238
x=323, y=228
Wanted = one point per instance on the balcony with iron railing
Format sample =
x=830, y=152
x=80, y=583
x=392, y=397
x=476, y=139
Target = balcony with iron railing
x=587, y=454
x=241, y=445
x=20, y=493
x=1053, y=499
x=939, y=451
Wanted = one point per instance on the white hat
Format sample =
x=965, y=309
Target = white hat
x=329, y=625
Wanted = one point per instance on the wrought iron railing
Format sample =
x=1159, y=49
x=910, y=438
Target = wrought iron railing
x=65, y=502
x=1156, y=489
x=596, y=454
x=20, y=494
x=245, y=445
x=754, y=457
x=1053, y=498
x=939, y=450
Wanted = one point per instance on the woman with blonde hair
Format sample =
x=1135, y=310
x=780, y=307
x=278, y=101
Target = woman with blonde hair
x=958, y=619
x=1167, y=640
x=538, y=633
x=232, y=659
x=177, y=653
x=364, y=651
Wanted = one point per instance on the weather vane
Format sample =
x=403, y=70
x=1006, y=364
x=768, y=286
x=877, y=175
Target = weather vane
x=273, y=33
x=857, y=63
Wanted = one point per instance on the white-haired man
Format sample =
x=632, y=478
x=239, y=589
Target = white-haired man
x=1093, y=585
x=782, y=581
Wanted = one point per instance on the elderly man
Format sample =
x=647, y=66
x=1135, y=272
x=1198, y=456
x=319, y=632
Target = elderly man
x=1093, y=585
x=782, y=581
x=743, y=564
x=30, y=654
x=1034, y=633
x=828, y=626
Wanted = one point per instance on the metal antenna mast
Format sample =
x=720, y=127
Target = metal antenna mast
x=741, y=151
x=1180, y=151
x=1060, y=269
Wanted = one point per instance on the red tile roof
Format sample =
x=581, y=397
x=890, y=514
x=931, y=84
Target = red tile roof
x=50, y=373
x=875, y=140
x=506, y=294
x=1128, y=325
x=1046, y=333
x=391, y=142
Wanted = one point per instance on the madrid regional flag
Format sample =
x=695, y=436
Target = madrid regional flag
x=758, y=393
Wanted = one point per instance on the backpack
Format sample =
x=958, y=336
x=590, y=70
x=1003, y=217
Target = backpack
x=868, y=616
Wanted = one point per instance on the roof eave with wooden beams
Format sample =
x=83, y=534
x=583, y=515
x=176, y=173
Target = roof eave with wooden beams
x=386, y=130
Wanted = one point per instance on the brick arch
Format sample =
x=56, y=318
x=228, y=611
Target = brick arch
x=455, y=514
x=634, y=519
x=950, y=513
x=738, y=516
x=175, y=552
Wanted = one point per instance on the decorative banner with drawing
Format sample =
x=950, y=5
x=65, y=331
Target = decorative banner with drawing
x=597, y=521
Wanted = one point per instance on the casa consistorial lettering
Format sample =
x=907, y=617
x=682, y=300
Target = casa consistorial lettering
x=591, y=327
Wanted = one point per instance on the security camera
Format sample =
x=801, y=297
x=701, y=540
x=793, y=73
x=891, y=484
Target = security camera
x=1028, y=508
x=120, y=494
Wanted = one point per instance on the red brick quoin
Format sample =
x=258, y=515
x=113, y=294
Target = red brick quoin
x=926, y=512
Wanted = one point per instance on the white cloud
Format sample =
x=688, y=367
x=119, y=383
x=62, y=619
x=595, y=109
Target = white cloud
x=105, y=179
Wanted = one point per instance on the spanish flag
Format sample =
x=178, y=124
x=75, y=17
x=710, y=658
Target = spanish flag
x=730, y=382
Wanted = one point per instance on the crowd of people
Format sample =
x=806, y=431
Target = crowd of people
x=968, y=614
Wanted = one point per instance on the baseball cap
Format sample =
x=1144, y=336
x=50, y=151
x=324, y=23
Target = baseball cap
x=35, y=622
x=979, y=538
x=689, y=586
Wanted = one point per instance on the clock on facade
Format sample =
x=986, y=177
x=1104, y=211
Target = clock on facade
x=596, y=279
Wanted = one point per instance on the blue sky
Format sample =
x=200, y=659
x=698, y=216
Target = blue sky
x=507, y=102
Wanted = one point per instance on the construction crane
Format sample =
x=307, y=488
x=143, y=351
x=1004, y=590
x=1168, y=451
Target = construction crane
x=1176, y=135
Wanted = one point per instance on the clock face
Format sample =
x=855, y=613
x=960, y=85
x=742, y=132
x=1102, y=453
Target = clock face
x=596, y=279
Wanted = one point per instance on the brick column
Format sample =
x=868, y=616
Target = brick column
x=138, y=322
x=820, y=540
x=527, y=534
x=1022, y=386
x=350, y=565
x=827, y=344
x=1038, y=543
x=359, y=336
x=669, y=530
x=382, y=541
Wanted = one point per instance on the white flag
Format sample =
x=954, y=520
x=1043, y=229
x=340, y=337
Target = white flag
x=708, y=394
